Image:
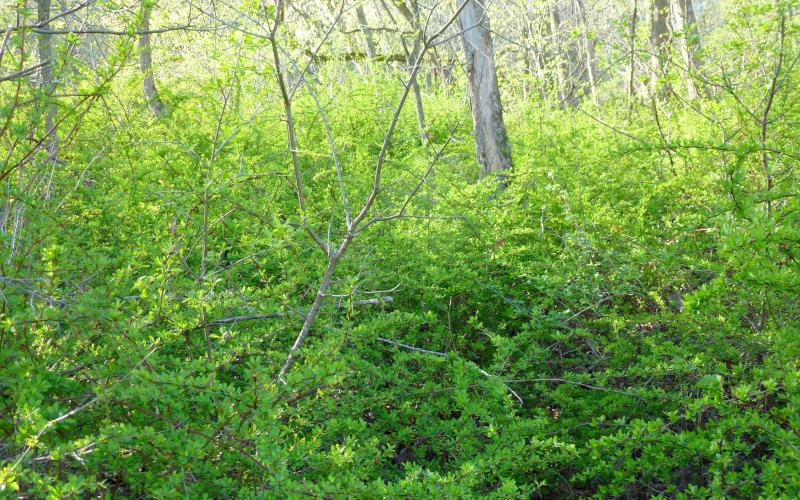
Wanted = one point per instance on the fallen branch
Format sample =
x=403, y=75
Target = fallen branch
x=275, y=315
x=105, y=31
x=443, y=354
x=366, y=302
x=571, y=382
x=24, y=71
x=246, y=317
x=410, y=347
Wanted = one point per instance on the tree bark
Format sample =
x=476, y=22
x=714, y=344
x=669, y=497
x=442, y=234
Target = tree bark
x=690, y=20
x=146, y=64
x=591, y=57
x=561, y=71
x=690, y=44
x=45, y=49
x=533, y=54
x=491, y=140
x=440, y=73
x=632, y=69
x=308, y=322
x=660, y=41
x=418, y=107
x=412, y=17
x=362, y=25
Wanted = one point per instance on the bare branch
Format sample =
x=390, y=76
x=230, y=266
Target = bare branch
x=352, y=228
x=400, y=213
x=443, y=354
x=292, y=137
x=24, y=72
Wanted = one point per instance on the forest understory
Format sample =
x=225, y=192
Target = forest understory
x=368, y=249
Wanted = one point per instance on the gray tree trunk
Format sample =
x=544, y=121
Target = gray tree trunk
x=439, y=72
x=558, y=55
x=362, y=25
x=412, y=17
x=533, y=57
x=146, y=66
x=491, y=140
x=690, y=21
x=45, y=48
x=632, y=68
x=591, y=57
x=660, y=41
x=412, y=57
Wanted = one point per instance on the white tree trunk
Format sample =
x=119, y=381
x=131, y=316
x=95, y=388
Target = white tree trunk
x=689, y=44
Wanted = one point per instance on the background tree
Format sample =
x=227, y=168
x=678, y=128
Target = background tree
x=491, y=140
x=365, y=29
x=411, y=15
x=559, y=58
x=146, y=62
x=690, y=44
x=47, y=62
x=660, y=41
x=590, y=58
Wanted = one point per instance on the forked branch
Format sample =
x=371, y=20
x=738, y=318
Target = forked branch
x=354, y=226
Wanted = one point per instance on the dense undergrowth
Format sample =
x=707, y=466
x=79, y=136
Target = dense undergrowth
x=620, y=321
